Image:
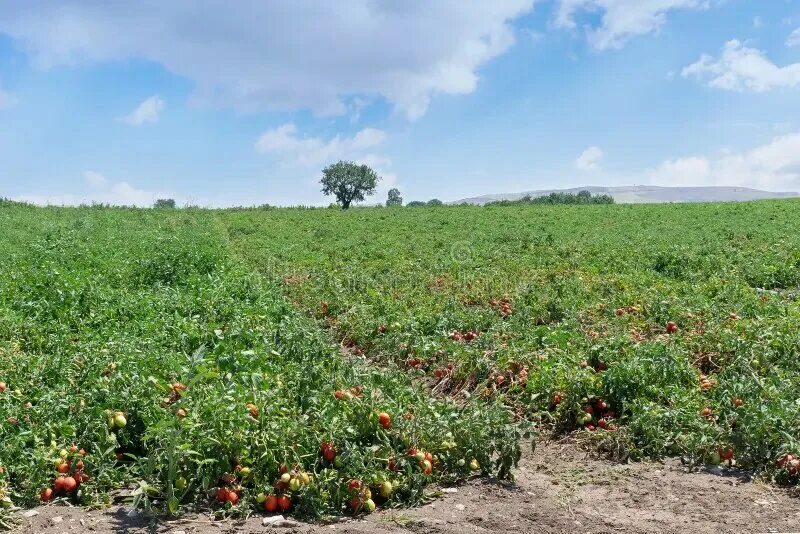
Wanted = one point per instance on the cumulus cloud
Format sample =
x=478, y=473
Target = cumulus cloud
x=148, y=111
x=793, y=39
x=590, y=159
x=101, y=191
x=280, y=55
x=741, y=68
x=284, y=140
x=774, y=166
x=94, y=179
x=621, y=19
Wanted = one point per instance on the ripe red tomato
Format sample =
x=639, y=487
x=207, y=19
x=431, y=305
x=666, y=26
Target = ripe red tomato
x=602, y=423
x=329, y=453
x=271, y=504
x=354, y=485
x=3, y=387
x=726, y=453
x=222, y=494
x=69, y=484
x=590, y=428
x=79, y=465
x=63, y=468
x=58, y=484
x=737, y=402
x=46, y=495
x=284, y=503
x=233, y=497
x=385, y=420
x=672, y=327
x=355, y=504
x=81, y=477
x=339, y=394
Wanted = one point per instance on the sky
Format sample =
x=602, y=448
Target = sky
x=219, y=103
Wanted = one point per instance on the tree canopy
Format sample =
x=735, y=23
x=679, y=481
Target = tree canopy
x=348, y=182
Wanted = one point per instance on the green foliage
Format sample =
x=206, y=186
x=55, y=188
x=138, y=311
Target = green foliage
x=582, y=197
x=348, y=182
x=164, y=203
x=434, y=202
x=105, y=310
x=415, y=204
x=577, y=297
x=394, y=198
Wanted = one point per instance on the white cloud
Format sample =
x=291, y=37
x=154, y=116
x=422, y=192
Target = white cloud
x=741, y=68
x=774, y=166
x=302, y=54
x=793, y=39
x=284, y=140
x=148, y=111
x=622, y=19
x=102, y=191
x=95, y=179
x=590, y=159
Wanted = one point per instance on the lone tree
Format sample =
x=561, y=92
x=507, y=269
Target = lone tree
x=394, y=198
x=348, y=182
x=164, y=203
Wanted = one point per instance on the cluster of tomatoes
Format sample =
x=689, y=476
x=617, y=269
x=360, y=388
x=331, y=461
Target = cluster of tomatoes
x=503, y=306
x=464, y=336
x=424, y=459
x=791, y=463
x=328, y=451
x=70, y=474
x=443, y=371
x=596, y=413
x=707, y=383
x=353, y=393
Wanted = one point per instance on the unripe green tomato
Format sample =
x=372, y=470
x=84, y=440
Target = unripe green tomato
x=369, y=506
x=461, y=462
x=180, y=483
x=260, y=498
x=386, y=489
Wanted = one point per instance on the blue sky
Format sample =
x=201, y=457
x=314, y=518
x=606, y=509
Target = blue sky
x=237, y=103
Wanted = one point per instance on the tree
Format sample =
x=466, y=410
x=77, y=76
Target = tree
x=415, y=204
x=164, y=203
x=348, y=182
x=435, y=202
x=394, y=198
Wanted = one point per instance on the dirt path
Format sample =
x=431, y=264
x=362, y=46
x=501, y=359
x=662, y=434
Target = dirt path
x=559, y=489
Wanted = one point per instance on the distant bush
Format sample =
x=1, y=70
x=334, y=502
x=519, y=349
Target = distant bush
x=582, y=197
x=164, y=203
x=415, y=204
x=435, y=202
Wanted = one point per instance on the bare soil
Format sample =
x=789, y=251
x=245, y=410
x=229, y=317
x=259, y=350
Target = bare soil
x=559, y=488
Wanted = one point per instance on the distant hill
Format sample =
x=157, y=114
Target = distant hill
x=639, y=194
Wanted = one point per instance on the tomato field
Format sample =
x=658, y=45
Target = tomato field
x=323, y=362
